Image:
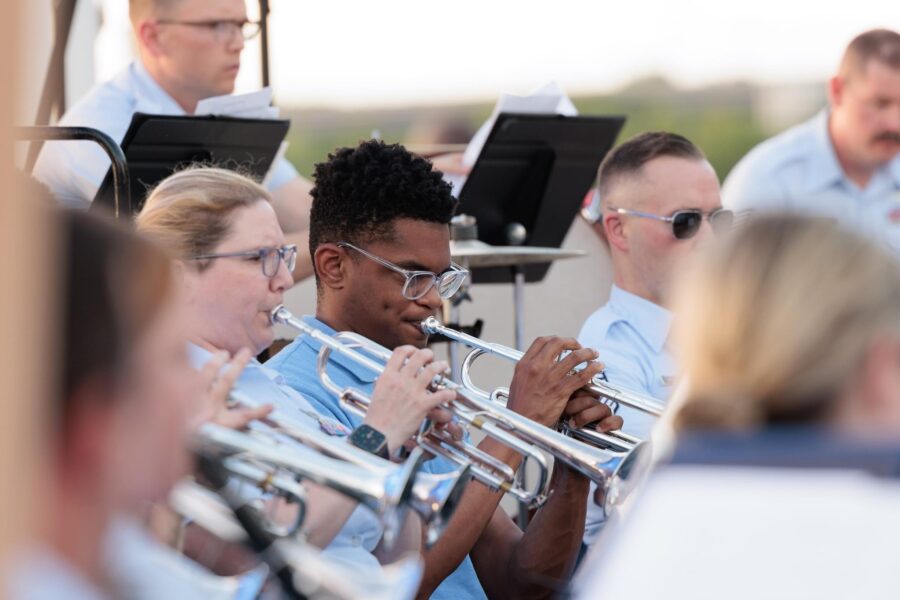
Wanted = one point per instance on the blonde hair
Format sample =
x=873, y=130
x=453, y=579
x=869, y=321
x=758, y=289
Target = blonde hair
x=189, y=212
x=773, y=323
x=139, y=10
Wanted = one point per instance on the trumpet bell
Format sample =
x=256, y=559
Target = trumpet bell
x=435, y=498
x=315, y=574
x=626, y=476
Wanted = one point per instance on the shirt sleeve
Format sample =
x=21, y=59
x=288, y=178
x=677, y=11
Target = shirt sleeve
x=753, y=184
x=282, y=172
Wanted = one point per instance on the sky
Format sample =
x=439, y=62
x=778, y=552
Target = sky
x=356, y=53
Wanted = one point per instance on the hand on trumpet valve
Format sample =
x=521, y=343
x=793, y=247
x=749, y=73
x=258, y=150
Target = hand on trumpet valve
x=584, y=410
x=543, y=383
x=215, y=380
x=402, y=400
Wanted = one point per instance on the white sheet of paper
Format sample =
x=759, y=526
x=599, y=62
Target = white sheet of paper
x=548, y=99
x=255, y=105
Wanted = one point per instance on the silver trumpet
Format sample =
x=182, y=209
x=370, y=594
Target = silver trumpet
x=610, y=469
x=434, y=497
x=484, y=467
x=614, y=440
x=386, y=492
x=313, y=573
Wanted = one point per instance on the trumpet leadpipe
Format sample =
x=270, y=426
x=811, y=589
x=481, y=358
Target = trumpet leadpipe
x=598, y=387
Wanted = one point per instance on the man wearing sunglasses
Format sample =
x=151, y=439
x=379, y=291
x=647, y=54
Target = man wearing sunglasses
x=188, y=50
x=380, y=238
x=659, y=202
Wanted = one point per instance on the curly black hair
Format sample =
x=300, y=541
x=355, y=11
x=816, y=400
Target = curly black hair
x=360, y=192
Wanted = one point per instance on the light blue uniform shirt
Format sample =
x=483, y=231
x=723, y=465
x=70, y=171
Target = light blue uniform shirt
x=39, y=573
x=798, y=172
x=360, y=535
x=74, y=170
x=630, y=335
x=297, y=363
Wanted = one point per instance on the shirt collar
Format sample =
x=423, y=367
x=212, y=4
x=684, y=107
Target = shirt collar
x=824, y=168
x=651, y=321
x=894, y=169
x=787, y=446
x=199, y=356
x=150, y=96
x=361, y=373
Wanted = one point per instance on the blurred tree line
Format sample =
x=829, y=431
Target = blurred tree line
x=725, y=120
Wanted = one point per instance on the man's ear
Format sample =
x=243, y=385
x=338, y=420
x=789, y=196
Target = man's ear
x=330, y=264
x=836, y=87
x=878, y=377
x=85, y=433
x=614, y=230
x=147, y=34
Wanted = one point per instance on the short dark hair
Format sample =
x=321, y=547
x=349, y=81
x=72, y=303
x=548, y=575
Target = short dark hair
x=882, y=45
x=114, y=284
x=628, y=158
x=360, y=192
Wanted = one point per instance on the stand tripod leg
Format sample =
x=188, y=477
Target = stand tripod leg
x=519, y=313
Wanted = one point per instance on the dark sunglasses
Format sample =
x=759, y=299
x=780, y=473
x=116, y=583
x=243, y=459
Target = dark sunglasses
x=686, y=223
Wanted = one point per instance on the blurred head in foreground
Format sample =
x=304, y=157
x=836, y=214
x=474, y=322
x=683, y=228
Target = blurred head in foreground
x=791, y=321
x=118, y=425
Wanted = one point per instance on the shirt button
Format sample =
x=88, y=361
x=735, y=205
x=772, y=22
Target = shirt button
x=356, y=540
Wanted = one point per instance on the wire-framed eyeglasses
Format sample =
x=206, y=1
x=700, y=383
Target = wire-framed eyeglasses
x=222, y=30
x=269, y=258
x=686, y=223
x=419, y=283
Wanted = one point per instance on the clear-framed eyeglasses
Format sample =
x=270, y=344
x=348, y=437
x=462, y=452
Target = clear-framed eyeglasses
x=222, y=30
x=270, y=258
x=419, y=283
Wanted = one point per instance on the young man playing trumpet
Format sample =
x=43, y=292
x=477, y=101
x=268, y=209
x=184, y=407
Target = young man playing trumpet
x=234, y=268
x=380, y=241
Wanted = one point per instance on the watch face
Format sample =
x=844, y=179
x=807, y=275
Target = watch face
x=368, y=439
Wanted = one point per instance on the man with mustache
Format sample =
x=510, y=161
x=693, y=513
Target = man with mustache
x=844, y=163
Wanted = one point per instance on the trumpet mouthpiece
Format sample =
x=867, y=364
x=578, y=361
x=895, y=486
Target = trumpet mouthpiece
x=279, y=315
x=430, y=325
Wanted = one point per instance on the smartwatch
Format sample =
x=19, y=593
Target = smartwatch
x=371, y=440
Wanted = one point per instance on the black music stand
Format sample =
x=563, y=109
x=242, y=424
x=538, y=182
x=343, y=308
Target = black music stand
x=157, y=145
x=531, y=178
x=534, y=170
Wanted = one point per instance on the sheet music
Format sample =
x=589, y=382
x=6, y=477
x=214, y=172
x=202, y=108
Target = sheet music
x=255, y=105
x=547, y=99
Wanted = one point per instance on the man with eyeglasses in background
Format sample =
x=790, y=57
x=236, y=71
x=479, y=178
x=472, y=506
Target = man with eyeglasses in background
x=659, y=201
x=380, y=241
x=188, y=50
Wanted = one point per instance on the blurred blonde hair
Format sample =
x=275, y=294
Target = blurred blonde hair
x=773, y=322
x=139, y=10
x=189, y=212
